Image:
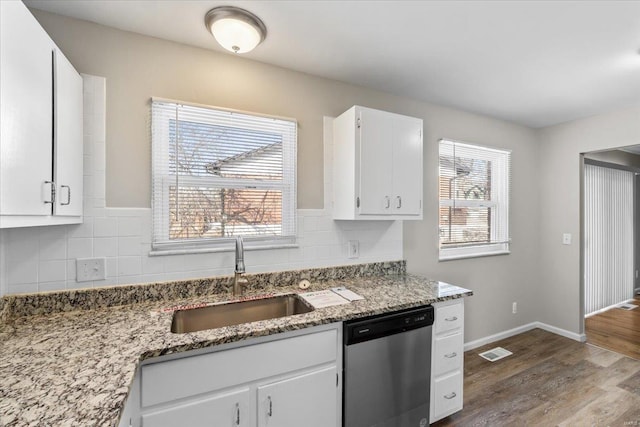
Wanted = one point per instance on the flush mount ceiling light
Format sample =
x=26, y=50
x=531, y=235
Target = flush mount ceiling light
x=237, y=30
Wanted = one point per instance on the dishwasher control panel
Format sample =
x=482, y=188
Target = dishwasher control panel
x=386, y=324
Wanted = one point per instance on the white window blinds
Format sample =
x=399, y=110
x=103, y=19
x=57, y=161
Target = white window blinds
x=218, y=174
x=474, y=200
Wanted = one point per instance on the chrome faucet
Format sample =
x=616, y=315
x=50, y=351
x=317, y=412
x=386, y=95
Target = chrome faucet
x=239, y=282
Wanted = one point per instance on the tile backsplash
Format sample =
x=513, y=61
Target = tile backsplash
x=44, y=258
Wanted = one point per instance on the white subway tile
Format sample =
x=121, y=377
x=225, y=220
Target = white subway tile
x=52, y=271
x=53, y=249
x=111, y=267
x=81, y=230
x=52, y=286
x=310, y=224
x=152, y=265
x=105, y=227
x=80, y=247
x=129, y=226
x=23, y=288
x=129, y=266
x=71, y=270
x=22, y=271
x=129, y=246
x=105, y=247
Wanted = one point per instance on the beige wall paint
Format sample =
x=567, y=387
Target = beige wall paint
x=138, y=67
x=497, y=281
x=559, y=209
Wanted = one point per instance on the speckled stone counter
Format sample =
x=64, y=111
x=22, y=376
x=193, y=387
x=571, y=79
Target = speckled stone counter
x=74, y=368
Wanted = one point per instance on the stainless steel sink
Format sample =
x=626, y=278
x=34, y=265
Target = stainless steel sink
x=234, y=313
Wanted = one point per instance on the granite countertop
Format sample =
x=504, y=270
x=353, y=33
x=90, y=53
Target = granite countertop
x=75, y=368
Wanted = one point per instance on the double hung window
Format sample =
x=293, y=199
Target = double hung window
x=474, y=200
x=218, y=174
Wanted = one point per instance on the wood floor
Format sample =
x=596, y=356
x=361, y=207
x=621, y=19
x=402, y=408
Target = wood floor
x=549, y=380
x=616, y=329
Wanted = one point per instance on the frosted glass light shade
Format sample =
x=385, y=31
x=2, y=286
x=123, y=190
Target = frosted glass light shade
x=235, y=35
x=237, y=30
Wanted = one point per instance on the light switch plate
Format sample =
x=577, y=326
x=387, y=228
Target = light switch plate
x=566, y=239
x=90, y=269
x=354, y=249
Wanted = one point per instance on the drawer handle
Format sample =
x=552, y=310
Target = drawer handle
x=270, y=413
x=451, y=355
x=237, y=414
x=68, y=195
x=450, y=395
x=451, y=319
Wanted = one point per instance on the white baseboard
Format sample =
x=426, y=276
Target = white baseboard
x=524, y=328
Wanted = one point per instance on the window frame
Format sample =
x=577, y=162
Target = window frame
x=499, y=203
x=162, y=179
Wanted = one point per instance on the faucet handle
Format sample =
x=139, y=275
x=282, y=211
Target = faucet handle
x=239, y=255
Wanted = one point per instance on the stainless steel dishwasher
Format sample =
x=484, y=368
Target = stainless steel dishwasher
x=387, y=369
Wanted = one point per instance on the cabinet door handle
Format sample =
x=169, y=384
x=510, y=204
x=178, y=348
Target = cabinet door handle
x=450, y=395
x=270, y=413
x=399, y=200
x=68, y=195
x=451, y=355
x=451, y=319
x=237, y=414
x=53, y=192
x=387, y=202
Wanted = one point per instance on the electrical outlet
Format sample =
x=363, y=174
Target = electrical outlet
x=90, y=269
x=353, y=249
x=514, y=307
x=566, y=239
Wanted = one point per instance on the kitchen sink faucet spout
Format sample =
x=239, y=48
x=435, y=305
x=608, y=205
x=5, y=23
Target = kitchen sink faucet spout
x=239, y=282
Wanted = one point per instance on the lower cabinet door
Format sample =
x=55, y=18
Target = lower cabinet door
x=308, y=400
x=222, y=410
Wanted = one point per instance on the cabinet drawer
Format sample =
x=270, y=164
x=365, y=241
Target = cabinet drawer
x=176, y=379
x=448, y=354
x=448, y=317
x=447, y=395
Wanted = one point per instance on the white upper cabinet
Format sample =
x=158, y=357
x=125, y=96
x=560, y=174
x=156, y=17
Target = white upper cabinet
x=377, y=165
x=41, y=143
x=26, y=123
x=68, y=138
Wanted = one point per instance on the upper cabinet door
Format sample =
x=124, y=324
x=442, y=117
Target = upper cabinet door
x=407, y=165
x=376, y=151
x=68, y=143
x=26, y=116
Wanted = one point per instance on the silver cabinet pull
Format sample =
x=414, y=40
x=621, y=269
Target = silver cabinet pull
x=53, y=192
x=450, y=395
x=237, y=414
x=68, y=195
x=387, y=202
x=399, y=200
x=451, y=355
x=270, y=413
x=451, y=319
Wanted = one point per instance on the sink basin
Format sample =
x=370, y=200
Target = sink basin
x=217, y=316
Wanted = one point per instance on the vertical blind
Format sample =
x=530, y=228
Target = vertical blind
x=474, y=186
x=608, y=256
x=218, y=174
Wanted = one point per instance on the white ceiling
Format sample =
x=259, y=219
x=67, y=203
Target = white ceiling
x=536, y=63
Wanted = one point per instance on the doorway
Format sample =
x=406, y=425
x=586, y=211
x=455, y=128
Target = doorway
x=609, y=249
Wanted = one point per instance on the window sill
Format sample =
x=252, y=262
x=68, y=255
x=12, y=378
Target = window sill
x=475, y=255
x=247, y=247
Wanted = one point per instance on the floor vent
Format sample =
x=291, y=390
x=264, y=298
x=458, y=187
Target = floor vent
x=627, y=306
x=495, y=354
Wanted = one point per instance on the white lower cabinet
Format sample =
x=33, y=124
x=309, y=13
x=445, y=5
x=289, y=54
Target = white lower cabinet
x=289, y=379
x=447, y=359
x=229, y=409
x=306, y=400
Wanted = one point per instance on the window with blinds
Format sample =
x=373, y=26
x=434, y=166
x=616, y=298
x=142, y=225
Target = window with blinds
x=218, y=174
x=474, y=200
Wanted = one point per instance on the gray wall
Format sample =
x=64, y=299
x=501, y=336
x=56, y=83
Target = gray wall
x=616, y=157
x=540, y=273
x=559, y=209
